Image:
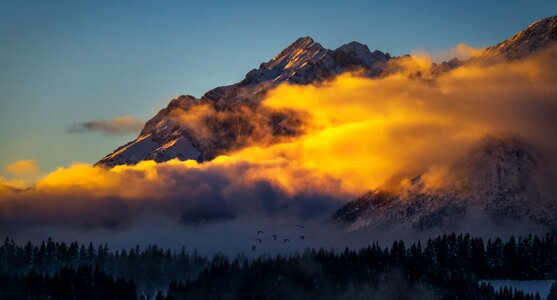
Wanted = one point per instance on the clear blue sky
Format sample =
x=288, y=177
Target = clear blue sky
x=63, y=62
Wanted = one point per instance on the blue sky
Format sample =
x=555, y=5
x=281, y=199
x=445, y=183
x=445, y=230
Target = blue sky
x=65, y=62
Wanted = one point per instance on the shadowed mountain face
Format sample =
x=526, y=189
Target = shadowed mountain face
x=229, y=117
x=497, y=180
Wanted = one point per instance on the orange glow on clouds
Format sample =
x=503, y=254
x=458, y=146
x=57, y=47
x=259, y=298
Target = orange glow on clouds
x=359, y=134
x=23, y=173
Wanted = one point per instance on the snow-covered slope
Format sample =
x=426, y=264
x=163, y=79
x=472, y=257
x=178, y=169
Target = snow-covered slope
x=166, y=136
x=162, y=139
x=538, y=36
x=535, y=37
x=497, y=180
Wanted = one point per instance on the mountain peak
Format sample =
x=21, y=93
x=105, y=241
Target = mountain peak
x=362, y=53
x=544, y=23
x=302, y=51
x=354, y=47
x=303, y=40
x=536, y=36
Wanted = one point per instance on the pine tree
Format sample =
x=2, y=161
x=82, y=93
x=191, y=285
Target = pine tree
x=552, y=292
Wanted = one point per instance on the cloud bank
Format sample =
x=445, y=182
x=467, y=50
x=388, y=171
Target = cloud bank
x=358, y=134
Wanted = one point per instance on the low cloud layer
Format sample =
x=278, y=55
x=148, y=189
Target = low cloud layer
x=358, y=134
x=461, y=52
x=117, y=126
x=84, y=196
x=22, y=173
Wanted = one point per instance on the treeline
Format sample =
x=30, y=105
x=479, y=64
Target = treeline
x=150, y=268
x=391, y=285
x=83, y=282
x=446, y=267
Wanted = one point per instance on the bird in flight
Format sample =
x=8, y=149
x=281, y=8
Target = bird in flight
x=286, y=240
x=260, y=241
x=259, y=231
x=302, y=227
x=302, y=237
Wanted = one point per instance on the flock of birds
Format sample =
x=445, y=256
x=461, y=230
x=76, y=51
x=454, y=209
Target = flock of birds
x=275, y=237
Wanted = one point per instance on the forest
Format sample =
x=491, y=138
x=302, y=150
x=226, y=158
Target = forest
x=444, y=267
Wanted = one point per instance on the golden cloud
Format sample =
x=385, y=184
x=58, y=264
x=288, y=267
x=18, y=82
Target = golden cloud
x=23, y=167
x=22, y=173
x=359, y=134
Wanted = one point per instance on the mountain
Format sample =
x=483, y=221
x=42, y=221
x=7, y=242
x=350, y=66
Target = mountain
x=229, y=117
x=167, y=135
x=497, y=180
x=538, y=35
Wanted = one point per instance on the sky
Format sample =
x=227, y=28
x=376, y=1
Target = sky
x=63, y=63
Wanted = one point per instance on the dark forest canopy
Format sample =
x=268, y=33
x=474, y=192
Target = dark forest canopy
x=445, y=267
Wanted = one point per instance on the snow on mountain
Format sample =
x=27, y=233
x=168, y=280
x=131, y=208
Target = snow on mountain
x=303, y=62
x=162, y=139
x=306, y=61
x=302, y=51
x=165, y=137
x=497, y=179
x=538, y=36
x=535, y=37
